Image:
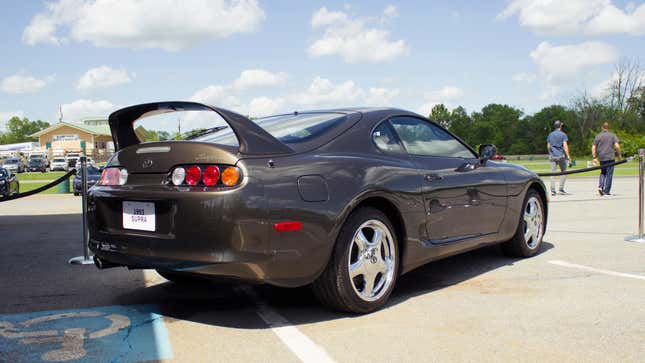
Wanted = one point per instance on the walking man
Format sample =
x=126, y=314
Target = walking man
x=557, y=144
x=604, y=148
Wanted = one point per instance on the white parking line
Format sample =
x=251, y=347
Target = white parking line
x=596, y=270
x=300, y=344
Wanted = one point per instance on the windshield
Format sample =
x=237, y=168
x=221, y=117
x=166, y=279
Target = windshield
x=290, y=129
x=11, y=161
x=35, y=160
x=91, y=170
x=59, y=160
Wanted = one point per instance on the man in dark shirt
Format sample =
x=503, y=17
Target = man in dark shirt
x=604, y=148
x=557, y=144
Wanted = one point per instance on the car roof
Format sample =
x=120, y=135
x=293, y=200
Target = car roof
x=346, y=110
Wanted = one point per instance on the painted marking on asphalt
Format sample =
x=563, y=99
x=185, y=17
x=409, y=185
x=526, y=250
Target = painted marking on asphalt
x=597, y=270
x=112, y=333
x=299, y=344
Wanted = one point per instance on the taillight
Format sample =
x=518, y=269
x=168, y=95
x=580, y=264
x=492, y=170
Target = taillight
x=193, y=175
x=205, y=175
x=113, y=176
x=230, y=176
x=211, y=175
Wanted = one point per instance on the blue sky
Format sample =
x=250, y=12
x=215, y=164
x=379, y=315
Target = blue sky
x=92, y=57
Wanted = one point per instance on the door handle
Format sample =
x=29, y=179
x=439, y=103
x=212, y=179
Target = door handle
x=432, y=177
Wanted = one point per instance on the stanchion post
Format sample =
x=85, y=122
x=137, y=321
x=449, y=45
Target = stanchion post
x=85, y=259
x=641, y=198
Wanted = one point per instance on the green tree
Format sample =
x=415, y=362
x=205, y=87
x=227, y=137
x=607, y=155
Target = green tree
x=18, y=130
x=440, y=115
x=540, y=125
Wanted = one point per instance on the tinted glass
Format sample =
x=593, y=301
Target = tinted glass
x=385, y=139
x=58, y=160
x=424, y=138
x=11, y=161
x=290, y=129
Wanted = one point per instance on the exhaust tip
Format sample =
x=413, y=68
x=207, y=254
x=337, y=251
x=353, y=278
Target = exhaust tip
x=102, y=264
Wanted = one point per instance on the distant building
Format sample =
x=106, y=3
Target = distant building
x=65, y=137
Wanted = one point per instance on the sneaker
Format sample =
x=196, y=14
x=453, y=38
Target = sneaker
x=563, y=192
x=553, y=194
x=600, y=192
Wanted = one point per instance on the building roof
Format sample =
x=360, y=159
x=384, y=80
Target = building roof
x=92, y=129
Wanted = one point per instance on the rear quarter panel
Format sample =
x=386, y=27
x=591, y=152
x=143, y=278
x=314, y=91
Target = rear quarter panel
x=301, y=256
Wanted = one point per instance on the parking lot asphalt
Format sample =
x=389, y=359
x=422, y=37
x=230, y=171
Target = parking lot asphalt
x=581, y=299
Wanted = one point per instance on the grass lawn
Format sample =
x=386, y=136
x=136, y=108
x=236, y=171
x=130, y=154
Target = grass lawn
x=40, y=176
x=25, y=187
x=543, y=166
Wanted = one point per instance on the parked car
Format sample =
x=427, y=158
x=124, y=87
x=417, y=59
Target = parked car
x=72, y=158
x=59, y=163
x=14, y=165
x=498, y=157
x=93, y=175
x=346, y=200
x=9, y=184
x=38, y=164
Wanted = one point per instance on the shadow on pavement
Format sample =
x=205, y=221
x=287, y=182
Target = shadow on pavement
x=35, y=276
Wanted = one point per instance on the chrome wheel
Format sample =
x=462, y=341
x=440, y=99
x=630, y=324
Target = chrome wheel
x=371, y=262
x=533, y=222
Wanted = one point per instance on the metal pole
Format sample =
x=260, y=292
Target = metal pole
x=641, y=198
x=85, y=259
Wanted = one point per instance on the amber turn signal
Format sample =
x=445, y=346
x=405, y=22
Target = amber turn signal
x=230, y=176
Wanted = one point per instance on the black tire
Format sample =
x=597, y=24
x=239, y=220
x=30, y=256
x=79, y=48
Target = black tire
x=180, y=278
x=518, y=246
x=335, y=288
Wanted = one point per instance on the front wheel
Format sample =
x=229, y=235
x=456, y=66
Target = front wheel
x=363, y=267
x=528, y=237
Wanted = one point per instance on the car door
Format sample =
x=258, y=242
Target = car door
x=463, y=199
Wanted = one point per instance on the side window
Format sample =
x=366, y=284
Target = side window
x=424, y=138
x=385, y=139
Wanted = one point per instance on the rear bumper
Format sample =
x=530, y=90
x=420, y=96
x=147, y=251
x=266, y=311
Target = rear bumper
x=218, y=233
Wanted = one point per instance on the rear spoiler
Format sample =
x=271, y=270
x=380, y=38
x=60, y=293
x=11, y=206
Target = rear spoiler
x=252, y=138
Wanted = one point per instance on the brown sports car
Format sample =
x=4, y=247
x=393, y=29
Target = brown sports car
x=345, y=200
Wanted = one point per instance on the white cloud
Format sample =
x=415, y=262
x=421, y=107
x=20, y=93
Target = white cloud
x=6, y=115
x=379, y=96
x=576, y=16
x=524, y=77
x=22, y=83
x=320, y=93
x=84, y=108
x=391, y=11
x=252, y=78
x=265, y=106
x=167, y=24
x=353, y=39
x=101, y=77
x=562, y=63
x=323, y=92
x=445, y=95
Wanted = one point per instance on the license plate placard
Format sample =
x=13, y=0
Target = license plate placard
x=139, y=215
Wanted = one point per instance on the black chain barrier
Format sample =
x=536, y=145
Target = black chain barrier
x=40, y=189
x=584, y=170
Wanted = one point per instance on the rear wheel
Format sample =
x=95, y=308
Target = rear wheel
x=528, y=237
x=362, y=269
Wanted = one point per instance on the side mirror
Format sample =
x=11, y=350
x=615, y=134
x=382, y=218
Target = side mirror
x=486, y=152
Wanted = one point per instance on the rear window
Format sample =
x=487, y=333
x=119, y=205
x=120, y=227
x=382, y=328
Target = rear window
x=59, y=160
x=293, y=128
